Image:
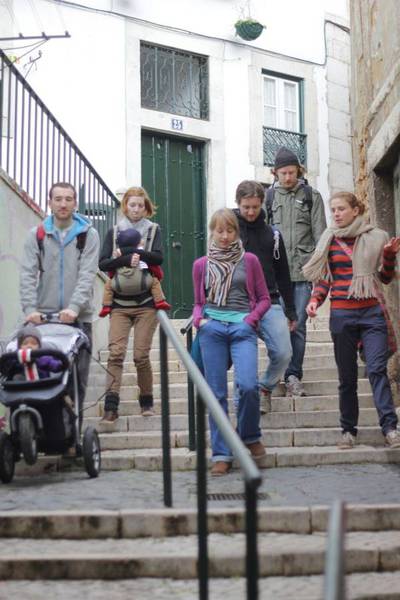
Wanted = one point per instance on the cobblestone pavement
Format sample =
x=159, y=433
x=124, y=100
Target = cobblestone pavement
x=113, y=490
x=359, y=586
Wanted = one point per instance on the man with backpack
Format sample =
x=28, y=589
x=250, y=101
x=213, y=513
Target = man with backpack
x=297, y=211
x=266, y=243
x=58, y=268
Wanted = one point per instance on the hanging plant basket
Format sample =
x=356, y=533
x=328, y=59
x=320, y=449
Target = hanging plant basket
x=248, y=29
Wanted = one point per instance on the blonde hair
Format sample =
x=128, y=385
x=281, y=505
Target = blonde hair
x=141, y=192
x=227, y=217
x=351, y=200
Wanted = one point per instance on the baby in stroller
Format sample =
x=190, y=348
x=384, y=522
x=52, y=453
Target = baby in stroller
x=23, y=368
x=39, y=385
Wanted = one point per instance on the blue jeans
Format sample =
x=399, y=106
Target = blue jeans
x=274, y=332
x=302, y=295
x=368, y=325
x=219, y=343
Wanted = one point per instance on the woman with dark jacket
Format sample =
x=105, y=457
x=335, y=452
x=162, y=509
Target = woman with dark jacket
x=134, y=308
x=267, y=244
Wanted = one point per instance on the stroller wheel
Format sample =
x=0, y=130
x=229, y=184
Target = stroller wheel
x=91, y=452
x=7, y=460
x=27, y=438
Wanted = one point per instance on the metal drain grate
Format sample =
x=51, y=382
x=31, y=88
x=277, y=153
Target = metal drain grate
x=234, y=496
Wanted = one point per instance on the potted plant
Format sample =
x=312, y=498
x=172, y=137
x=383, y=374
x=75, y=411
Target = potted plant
x=248, y=29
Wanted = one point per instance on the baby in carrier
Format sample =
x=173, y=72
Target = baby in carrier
x=25, y=369
x=130, y=281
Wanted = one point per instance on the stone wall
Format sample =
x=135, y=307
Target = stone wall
x=375, y=106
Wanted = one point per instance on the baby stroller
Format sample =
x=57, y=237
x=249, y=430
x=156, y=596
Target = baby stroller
x=44, y=413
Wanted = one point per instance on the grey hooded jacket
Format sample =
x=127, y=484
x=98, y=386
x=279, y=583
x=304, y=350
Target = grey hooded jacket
x=67, y=278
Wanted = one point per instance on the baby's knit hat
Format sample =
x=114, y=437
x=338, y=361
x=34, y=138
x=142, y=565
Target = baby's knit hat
x=29, y=330
x=128, y=237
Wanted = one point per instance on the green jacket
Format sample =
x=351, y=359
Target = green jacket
x=300, y=228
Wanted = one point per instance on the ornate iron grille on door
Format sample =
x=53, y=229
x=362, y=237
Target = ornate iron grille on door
x=174, y=81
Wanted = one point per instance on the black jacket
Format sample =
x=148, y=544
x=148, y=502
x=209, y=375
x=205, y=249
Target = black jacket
x=258, y=238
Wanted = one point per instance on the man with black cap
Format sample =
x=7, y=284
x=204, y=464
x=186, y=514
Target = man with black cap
x=297, y=210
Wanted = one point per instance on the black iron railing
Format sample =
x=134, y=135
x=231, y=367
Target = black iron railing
x=273, y=139
x=206, y=399
x=187, y=330
x=334, y=581
x=36, y=151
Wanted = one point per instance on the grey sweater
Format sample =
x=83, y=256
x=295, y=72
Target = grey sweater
x=68, y=274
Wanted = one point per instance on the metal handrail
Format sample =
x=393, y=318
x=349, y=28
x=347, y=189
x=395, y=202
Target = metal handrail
x=36, y=151
x=334, y=582
x=187, y=330
x=252, y=476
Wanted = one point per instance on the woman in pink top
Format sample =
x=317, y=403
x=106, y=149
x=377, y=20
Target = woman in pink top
x=230, y=296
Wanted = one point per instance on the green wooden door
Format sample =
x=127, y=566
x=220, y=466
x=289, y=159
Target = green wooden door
x=173, y=175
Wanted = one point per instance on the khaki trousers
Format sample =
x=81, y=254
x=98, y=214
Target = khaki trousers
x=144, y=323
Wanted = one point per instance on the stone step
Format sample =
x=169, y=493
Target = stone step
x=312, y=348
x=279, y=555
x=273, y=420
x=179, y=390
x=123, y=440
x=278, y=404
x=359, y=586
x=150, y=459
x=310, y=374
x=174, y=364
x=167, y=522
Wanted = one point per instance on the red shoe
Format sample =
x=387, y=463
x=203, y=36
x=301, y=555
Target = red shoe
x=162, y=305
x=105, y=311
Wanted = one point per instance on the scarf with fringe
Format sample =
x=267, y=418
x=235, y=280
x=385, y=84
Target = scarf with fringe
x=221, y=265
x=366, y=259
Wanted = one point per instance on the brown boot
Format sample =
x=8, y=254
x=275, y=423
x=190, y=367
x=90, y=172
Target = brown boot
x=220, y=468
x=110, y=416
x=257, y=450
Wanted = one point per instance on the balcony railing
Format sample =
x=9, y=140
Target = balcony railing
x=36, y=151
x=273, y=139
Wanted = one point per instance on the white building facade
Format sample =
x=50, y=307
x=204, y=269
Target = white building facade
x=166, y=94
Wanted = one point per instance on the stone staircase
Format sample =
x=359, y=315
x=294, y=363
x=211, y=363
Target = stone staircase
x=301, y=431
x=297, y=431
x=152, y=554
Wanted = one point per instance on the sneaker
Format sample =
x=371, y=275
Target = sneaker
x=265, y=401
x=294, y=387
x=147, y=411
x=110, y=416
x=347, y=441
x=220, y=468
x=393, y=438
x=257, y=450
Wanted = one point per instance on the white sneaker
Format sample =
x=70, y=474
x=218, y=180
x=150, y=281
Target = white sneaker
x=294, y=387
x=265, y=401
x=347, y=441
x=393, y=438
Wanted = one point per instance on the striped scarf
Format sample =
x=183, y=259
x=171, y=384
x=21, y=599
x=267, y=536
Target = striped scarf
x=221, y=265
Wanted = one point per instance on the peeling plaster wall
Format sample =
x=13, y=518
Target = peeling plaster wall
x=375, y=106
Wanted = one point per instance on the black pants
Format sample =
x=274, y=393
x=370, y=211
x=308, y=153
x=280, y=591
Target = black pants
x=368, y=325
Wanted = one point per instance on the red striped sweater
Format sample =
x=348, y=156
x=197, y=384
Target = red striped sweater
x=341, y=268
